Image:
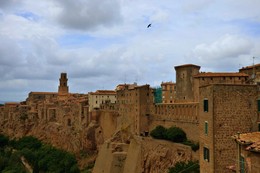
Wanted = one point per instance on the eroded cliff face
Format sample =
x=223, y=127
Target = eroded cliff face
x=159, y=155
x=56, y=134
x=128, y=154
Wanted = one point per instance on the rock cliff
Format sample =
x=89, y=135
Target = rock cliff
x=128, y=154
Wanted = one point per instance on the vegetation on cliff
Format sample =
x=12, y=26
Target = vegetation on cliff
x=183, y=167
x=40, y=157
x=174, y=134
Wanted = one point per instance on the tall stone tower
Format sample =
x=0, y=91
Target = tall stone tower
x=63, y=87
x=186, y=89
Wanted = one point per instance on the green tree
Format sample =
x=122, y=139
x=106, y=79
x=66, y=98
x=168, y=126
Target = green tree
x=3, y=140
x=176, y=134
x=194, y=145
x=29, y=142
x=159, y=132
x=183, y=167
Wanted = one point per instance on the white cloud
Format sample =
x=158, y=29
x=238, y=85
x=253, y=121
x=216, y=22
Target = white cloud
x=88, y=15
x=101, y=43
x=225, y=54
x=229, y=46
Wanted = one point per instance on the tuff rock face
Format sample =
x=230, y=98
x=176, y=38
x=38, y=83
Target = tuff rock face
x=57, y=135
x=125, y=153
x=158, y=155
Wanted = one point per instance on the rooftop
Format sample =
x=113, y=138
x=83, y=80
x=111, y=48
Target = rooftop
x=104, y=92
x=251, y=140
x=249, y=67
x=43, y=93
x=187, y=65
x=220, y=74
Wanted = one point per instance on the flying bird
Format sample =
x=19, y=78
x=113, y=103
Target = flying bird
x=149, y=25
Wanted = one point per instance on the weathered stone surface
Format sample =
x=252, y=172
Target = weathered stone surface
x=141, y=155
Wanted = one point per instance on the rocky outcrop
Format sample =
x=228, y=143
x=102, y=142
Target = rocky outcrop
x=56, y=134
x=159, y=155
x=127, y=154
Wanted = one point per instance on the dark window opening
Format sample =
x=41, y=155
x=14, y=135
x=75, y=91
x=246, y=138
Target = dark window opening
x=206, y=128
x=206, y=105
x=206, y=154
x=258, y=105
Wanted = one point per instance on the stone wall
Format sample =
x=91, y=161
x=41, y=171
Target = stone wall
x=231, y=109
x=184, y=116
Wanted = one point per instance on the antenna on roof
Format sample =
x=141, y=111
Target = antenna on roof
x=253, y=75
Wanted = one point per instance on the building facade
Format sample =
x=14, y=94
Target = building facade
x=168, y=92
x=100, y=97
x=134, y=108
x=225, y=109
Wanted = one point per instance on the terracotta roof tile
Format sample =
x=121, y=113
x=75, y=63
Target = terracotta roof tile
x=249, y=67
x=187, y=65
x=43, y=92
x=210, y=74
x=250, y=139
x=104, y=92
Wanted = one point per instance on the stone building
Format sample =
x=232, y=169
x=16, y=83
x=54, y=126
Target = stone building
x=99, y=97
x=253, y=72
x=61, y=110
x=168, y=92
x=134, y=108
x=63, y=89
x=250, y=70
x=209, y=107
x=224, y=110
x=248, y=153
x=185, y=86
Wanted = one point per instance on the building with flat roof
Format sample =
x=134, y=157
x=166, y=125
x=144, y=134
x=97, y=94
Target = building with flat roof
x=168, y=92
x=100, y=97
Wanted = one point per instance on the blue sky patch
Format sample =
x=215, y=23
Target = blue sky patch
x=28, y=15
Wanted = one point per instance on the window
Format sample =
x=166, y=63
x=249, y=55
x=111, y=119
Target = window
x=259, y=127
x=206, y=154
x=258, y=105
x=206, y=128
x=206, y=105
x=242, y=164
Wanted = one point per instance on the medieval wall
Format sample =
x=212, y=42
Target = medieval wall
x=185, y=116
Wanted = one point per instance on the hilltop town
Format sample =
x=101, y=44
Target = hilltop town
x=218, y=110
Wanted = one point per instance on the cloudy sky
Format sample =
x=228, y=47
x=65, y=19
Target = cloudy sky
x=102, y=43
